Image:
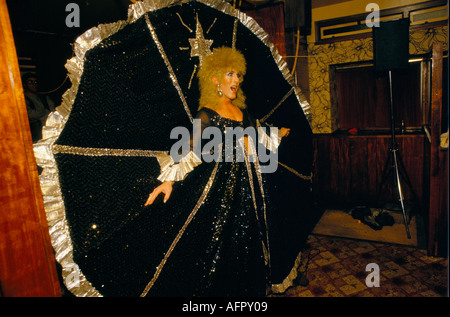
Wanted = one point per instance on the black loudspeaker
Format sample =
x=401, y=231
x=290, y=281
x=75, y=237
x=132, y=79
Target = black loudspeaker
x=297, y=15
x=391, y=45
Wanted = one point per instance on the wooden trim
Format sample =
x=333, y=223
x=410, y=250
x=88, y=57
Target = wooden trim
x=27, y=264
x=438, y=163
x=357, y=18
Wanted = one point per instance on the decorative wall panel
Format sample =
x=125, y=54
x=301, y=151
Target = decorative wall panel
x=323, y=113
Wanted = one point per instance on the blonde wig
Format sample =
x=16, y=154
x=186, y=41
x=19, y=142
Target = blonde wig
x=217, y=65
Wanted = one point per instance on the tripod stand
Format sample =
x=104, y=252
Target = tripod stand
x=395, y=163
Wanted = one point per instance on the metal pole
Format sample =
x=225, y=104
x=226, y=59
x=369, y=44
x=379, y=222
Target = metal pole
x=394, y=154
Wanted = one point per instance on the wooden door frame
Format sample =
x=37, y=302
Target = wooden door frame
x=27, y=263
x=438, y=208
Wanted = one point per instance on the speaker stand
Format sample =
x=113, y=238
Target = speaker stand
x=395, y=163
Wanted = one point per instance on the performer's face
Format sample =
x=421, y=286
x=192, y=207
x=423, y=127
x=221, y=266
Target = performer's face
x=230, y=83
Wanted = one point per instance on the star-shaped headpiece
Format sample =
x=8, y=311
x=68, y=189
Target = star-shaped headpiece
x=200, y=46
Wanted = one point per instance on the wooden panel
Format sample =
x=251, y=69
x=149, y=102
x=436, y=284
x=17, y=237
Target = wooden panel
x=363, y=97
x=349, y=169
x=437, y=240
x=362, y=100
x=27, y=266
x=271, y=19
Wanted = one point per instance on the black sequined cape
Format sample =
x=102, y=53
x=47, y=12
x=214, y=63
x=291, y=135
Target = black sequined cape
x=108, y=141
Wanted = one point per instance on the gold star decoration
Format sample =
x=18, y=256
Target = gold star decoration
x=200, y=46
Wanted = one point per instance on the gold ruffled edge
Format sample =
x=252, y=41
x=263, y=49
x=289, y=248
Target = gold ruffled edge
x=72, y=276
x=289, y=280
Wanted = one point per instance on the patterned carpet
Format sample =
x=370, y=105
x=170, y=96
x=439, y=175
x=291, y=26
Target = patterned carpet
x=336, y=267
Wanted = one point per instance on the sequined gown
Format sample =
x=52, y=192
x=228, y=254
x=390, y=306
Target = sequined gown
x=208, y=239
x=104, y=147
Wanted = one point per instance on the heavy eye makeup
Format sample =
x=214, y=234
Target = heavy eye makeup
x=232, y=73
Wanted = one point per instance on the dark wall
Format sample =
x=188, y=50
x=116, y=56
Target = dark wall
x=44, y=41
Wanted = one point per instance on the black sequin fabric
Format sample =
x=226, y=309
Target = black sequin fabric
x=127, y=99
x=224, y=244
x=220, y=253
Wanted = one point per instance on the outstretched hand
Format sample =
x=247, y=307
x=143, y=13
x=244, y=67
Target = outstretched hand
x=165, y=188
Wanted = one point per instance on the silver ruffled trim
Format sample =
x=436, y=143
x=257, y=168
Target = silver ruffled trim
x=174, y=172
x=270, y=142
x=73, y=278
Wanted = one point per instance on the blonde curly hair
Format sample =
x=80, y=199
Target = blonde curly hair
x=217, y=65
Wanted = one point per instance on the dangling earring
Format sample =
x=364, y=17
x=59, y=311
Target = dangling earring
x=219, y=91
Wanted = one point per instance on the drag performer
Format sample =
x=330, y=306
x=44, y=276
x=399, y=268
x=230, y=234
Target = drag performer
x=236, y=247
x=135, y=210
